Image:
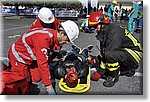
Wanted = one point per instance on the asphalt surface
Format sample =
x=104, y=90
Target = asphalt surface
x=14, y=28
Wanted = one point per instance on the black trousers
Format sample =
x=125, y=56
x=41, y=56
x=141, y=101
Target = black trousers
x=125, y=60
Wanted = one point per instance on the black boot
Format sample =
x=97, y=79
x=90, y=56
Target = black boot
x=112, y=78
x=130, y=73
x=110, y=81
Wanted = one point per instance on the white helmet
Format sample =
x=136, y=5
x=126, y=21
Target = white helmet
x=71, y=29
x=46, y=15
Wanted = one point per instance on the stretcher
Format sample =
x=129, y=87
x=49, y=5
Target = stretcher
x=80, y=88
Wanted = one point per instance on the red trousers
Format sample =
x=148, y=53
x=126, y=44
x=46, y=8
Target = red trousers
x=13, y=84
x=17, y=80
x=27, y=71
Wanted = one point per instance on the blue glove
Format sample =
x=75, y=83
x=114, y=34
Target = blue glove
x=52, y=92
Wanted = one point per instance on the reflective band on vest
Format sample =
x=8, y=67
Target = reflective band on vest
x=15, y=53
x=92, y=22
x=29, y=34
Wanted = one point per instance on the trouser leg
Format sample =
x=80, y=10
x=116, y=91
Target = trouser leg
x=140, y=24
x=17, y=67
x=21, y=71
x=130, y=25
x=122, y=59
x=111, y=20
x=134, y=26
x=113, y=62
x=34, y=72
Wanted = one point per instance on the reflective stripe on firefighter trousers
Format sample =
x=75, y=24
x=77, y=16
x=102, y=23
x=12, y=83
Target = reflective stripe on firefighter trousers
x=103, y=65
x=136, y=54
x=113, y=66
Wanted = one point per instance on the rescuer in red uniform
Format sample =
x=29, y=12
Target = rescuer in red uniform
x=46, y=17
x=38, y=45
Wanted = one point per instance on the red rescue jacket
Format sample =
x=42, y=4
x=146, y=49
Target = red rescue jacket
x=37, y=44
x=37, y=24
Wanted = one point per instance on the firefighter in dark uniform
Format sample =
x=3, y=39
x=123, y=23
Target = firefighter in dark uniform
x=120, y=50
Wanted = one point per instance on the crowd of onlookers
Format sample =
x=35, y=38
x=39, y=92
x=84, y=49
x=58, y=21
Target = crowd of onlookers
x=120, y=14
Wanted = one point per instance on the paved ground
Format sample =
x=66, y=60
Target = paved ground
x=14, y=28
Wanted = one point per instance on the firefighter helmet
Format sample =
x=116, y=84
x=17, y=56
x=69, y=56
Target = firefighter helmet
x=96, y=18
x=72, y=77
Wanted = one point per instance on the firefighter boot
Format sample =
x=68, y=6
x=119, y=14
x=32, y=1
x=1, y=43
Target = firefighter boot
x=130, y=73
x=110, y=81
x=114, y=72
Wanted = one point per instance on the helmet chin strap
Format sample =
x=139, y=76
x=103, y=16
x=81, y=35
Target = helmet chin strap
x=100, y=32
x=101, y=28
